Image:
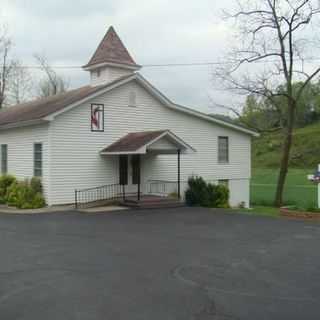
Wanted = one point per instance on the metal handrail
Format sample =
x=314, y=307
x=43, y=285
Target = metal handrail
x=101, y=193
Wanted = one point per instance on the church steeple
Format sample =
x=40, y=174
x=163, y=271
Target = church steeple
x=110, y=60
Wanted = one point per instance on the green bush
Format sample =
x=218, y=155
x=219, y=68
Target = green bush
x=5, y=182
x=38, y=201
x=200, y=193
x=36, y=185
x=196, y=194
x=26, y=195
x=12, y=194
x=221, y=196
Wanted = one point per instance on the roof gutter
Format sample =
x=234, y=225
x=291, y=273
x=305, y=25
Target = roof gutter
x=22, y=124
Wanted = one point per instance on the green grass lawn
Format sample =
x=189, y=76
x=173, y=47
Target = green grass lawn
x=298, y=190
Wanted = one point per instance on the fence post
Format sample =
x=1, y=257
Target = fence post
x=179, y=174
x=76, y=198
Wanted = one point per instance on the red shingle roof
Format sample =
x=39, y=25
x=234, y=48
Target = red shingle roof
x=133, y=141
x=112, y=50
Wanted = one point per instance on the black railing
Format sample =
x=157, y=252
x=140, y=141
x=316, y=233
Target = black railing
x=103, y=193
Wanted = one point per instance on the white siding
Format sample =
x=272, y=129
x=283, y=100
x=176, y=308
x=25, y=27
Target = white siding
x=240, y=192
x=20, y=143
x=108, y=74
x=162, y=144
x=76, y=162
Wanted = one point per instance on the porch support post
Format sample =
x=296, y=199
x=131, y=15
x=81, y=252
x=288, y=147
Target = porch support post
x=179, y=173
x=139, y=177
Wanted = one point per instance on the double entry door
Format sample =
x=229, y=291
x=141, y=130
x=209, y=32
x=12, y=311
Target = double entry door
x=129, y=171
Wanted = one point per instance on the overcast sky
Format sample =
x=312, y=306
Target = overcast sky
x=154, y=32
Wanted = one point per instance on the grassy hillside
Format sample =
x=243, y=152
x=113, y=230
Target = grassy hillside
x=298, y=190
x=305, y=152
x=305, y=157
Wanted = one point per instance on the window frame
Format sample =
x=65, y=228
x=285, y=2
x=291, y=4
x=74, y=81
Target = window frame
x=226, y=159
x=4, y=160
x=37, y=170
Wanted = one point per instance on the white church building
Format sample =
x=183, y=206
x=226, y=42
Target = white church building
x=120, y=134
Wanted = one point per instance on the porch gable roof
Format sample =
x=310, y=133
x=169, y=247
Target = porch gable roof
x=141, y=143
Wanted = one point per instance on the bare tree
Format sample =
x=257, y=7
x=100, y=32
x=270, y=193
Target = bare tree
x=53, y=83
x=5, y=64
x=20, y=84
x=274, y=45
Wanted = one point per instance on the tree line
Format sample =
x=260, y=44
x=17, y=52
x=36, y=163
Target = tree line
x=17, y=83
x=260, y=114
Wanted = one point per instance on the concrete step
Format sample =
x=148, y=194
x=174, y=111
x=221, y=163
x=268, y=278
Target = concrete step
x=148, y=203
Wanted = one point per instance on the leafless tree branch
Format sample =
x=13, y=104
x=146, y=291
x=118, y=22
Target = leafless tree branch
x=276, y=33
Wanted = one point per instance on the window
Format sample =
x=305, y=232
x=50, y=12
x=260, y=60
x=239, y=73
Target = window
x=132, y=99
x=223, y=150
x=37, y=159
x=98, y=73
x=224, y=183
x=4, y=158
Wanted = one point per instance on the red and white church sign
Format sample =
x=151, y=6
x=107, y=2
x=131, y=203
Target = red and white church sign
x=97, y=117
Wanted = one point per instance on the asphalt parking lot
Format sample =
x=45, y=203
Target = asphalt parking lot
x=186, y=263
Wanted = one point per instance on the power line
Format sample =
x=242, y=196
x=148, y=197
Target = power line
x=182, y=64
x=145, y=66
x=163, y=65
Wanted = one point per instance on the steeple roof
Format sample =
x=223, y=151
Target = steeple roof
x=112, y=50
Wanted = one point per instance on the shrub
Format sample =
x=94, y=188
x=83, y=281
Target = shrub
x=221, y=196
x=26, y=195
x=5, y=182
x=12, y=194
x=196, y=193
x=36, y=185
x=38, y=201
x=200, y=193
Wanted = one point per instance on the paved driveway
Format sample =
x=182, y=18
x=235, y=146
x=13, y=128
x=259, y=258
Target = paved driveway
x=163, y=264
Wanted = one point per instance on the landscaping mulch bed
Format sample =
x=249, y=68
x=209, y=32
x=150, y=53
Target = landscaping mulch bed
x=289, y=213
